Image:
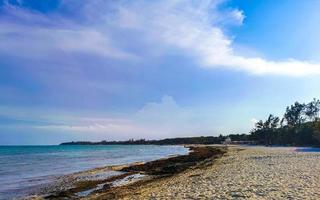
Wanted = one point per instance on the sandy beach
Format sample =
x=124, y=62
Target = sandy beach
x=240, y=173
x=243, y=173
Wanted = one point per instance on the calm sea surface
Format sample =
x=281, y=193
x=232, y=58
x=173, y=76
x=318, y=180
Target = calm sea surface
x=26, y=167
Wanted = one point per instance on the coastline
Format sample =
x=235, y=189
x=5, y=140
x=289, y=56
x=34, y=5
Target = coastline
x=25, y=170
x=130, y=175
x=238, y=172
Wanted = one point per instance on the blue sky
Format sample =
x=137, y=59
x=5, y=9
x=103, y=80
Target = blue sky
x=113, y=70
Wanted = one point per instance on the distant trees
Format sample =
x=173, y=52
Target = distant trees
x=299, y=126
x=316, y=130
x=299, y=112
x=271, y=123
x=168, y=141
x=264, y=130
x=312, y=110
x=294, y=114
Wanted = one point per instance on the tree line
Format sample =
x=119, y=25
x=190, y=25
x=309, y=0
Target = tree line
x=299, y=126
x=167, y=141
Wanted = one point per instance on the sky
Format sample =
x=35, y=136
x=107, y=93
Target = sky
x=96, y=70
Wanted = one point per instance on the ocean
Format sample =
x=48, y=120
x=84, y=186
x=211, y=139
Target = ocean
x=23, y=168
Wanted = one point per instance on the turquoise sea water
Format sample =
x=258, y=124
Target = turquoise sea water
x=23, y=168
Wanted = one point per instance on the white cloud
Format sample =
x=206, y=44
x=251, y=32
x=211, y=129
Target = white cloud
x=154, y=120
x=156, y=110
x=102, y=128
x=88, y=41
x=171, y=119
x=35, y=35
x=192, y=27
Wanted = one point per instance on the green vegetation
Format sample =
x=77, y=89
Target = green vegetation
x=168, y=141
x=299, y=126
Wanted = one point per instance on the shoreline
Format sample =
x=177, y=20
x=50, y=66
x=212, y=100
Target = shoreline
x=128, y=175
x=216, y=172
x=27, y=170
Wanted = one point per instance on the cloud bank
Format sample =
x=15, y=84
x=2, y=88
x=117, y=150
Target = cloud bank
x=137, y=31
x=154, y=120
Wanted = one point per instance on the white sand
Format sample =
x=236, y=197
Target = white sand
x=254, y=173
